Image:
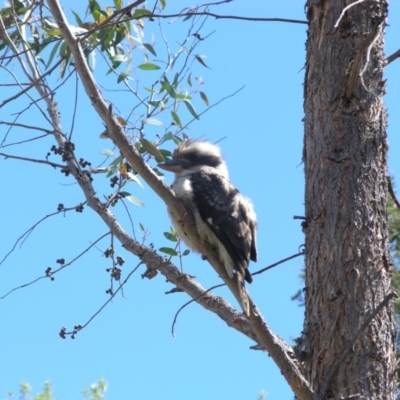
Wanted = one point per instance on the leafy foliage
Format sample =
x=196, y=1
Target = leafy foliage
x=95, y=392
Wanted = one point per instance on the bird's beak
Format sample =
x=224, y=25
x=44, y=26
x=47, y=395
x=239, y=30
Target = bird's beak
x=173, y=165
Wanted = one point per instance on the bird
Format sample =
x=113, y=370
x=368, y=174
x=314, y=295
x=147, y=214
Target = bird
x=224, y=219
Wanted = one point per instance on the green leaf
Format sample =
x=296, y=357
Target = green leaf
x=176, y=119
x=163, y=4
x=141, y=227
x=191, y=109
x=122, y=76
x=186, y=252
x=77, y=18
x=107, y=152
x=170, y=237
x=152, y=149
x=189, y=80
x=148, y=67
x=150, y=48
x=169, y=251
x=53, y=53
x=132, y=199
x=204, y=97
x=200, y=60
x=112, y=170
x=175, y=82
x=183, y=97
x=152, y=121
x=165, y=153
x=189, y=15
x=63, y=67
x=155, y=103
x=139, y=13
x=125, y=74
x=95, y=9
x=168, y=88
x=176, y=140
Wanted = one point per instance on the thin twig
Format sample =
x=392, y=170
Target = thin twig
x=277, y=263
x=51, y=273
x=52, y=164
x=219, y=16
x=26, y=234
x=36, y=128
x=74, y=332
x=23, y=141
x=189, y=302
x=223, y=284
x=34, y=83
x=75, y=106
x=392, y=57
x=210, y=107
x=352, y=341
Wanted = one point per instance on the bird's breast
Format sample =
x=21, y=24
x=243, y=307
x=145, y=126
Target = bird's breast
x=183, y=188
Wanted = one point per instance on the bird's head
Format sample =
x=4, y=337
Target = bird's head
x=193, y=155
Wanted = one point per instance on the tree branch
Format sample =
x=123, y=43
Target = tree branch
x=218, y=16
x=280, y=352
x=392, y=57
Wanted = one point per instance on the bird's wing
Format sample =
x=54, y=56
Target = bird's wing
x=223, y=208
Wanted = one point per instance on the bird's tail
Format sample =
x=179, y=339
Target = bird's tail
x=244, y=296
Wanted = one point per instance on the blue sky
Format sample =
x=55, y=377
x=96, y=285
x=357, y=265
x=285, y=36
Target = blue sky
x=130, y=343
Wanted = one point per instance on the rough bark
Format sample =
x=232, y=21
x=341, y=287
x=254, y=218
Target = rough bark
x=348, y=265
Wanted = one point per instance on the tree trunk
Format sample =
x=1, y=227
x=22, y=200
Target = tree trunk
x=348, y=266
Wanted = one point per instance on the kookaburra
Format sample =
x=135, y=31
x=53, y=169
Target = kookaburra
x=224, y=219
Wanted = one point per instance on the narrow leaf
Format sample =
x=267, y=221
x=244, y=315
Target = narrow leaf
x=77, y=18
x=148, y=67
x=170, y=237
x=191, y=108
x=107, y=152
x=150, y=48
x=204, y=97
x=169, y=251
x=53, y=53
x=131, y=198
x=134, y=178
x=200, y=60
x=168, y=88
x=186, y=252
x=176, y=119
x=150, y=148
x=139, y=13
x=152, y=121
x=183, y=97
